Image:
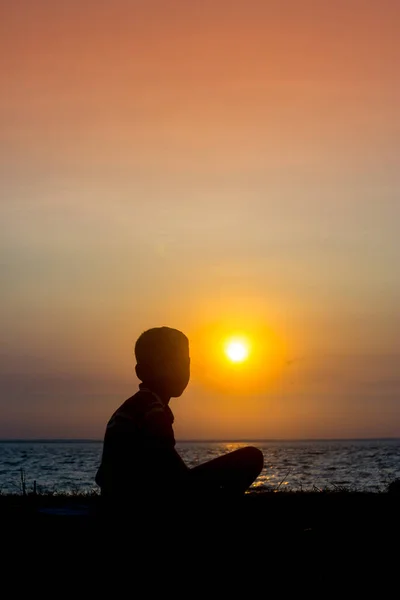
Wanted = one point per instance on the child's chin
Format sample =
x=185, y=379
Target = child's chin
x=177, y=392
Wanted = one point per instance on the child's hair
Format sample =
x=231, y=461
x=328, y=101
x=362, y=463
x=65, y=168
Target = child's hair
x=159, y=343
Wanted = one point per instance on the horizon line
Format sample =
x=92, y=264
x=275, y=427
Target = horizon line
x=208, y=440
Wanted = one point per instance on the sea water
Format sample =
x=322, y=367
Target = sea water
x=69, y=466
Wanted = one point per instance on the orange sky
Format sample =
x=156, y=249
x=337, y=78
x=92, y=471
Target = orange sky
x=211, y=166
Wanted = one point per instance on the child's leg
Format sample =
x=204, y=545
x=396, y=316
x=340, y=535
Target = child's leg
x=232, y=472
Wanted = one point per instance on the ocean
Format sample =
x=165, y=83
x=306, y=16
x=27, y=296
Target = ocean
x=69, y=466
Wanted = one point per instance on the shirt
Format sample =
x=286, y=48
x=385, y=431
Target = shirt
x=139, y=449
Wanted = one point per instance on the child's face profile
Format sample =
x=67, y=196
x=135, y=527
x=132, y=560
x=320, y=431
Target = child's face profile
x=177, y=374
x=171, y=375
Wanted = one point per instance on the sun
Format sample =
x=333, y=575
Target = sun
x=237, y=350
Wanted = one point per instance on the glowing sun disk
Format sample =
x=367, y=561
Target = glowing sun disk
x=236, y=350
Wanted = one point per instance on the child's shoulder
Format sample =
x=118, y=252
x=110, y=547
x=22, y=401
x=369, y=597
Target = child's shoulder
x=133, y=410
x=140, y=402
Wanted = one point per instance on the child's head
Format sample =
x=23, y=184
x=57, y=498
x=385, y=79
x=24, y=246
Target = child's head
x=163, y=362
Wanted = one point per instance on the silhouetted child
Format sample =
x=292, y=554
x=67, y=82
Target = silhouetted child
x=139, y=458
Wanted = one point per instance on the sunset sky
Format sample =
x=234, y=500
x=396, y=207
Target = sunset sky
x=217, y=166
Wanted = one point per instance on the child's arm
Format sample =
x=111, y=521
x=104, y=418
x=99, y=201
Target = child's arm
x=160, y=439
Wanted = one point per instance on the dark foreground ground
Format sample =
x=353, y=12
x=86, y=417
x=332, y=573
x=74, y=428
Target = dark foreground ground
x=300, y=539
x=273, y=516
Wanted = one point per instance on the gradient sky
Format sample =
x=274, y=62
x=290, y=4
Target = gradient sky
x=212, y=166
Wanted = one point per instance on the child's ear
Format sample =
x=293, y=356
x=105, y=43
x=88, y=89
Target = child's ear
x=144, y=372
